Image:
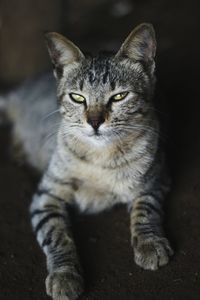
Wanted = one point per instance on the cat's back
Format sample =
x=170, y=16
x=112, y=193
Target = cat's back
x=34, y=96
x=32, y=108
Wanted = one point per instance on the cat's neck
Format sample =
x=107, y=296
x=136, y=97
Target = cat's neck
x=113, y=154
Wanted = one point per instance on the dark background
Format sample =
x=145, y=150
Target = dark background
x=104, y=240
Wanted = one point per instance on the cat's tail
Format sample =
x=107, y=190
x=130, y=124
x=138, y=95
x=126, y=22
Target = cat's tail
x=3, y=109
x=2, y=103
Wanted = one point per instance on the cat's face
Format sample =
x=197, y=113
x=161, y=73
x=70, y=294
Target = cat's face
x=106, y=97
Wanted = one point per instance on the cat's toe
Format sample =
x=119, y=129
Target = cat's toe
x=64, y=285
x=150, y=254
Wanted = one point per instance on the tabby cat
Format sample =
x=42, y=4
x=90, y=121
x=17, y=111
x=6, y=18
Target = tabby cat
x=105, y=149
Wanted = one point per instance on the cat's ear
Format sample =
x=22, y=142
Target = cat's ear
x=62, y=52
x=140, y=45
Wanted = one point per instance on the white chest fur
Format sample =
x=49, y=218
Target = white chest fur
x=101, y=188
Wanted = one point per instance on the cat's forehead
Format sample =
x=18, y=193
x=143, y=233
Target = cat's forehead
x=106, y=73
x=99, y=71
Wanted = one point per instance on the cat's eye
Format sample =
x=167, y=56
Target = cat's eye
x=119, y=97
x=77, y=98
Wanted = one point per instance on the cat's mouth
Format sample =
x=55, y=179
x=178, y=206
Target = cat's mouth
x=95, y=133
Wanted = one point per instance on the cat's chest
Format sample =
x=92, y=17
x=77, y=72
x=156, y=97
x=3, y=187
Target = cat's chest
x=99, y=188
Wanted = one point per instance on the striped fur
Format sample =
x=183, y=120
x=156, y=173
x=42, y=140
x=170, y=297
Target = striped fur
x=101, y=152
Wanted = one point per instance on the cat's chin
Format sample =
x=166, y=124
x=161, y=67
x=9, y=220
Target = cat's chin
x=98, y=139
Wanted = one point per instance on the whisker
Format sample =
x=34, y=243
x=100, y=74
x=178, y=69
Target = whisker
x=54, y=131
x=158, y=111
x=162, y=136
x=50, y=114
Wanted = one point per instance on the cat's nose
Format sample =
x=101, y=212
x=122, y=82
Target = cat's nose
x=95, y=121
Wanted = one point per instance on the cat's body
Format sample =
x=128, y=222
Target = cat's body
x=105, y=151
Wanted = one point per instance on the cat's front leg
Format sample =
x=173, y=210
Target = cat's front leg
x=51, y=224
x=151, y=248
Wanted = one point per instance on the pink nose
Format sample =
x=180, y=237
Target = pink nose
x=96, y=121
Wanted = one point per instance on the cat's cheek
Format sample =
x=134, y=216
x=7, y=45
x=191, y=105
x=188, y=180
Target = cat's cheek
x=62, y=111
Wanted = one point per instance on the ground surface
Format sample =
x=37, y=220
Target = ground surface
x=104, y=240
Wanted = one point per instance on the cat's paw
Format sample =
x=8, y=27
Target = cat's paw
x=152, y=253
x=64, y=285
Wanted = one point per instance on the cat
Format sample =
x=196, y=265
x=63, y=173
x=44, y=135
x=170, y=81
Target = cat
x=105, y=150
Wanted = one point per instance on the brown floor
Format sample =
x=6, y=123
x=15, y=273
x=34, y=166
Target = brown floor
x=104, y=240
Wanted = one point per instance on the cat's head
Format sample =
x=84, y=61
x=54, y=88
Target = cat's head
x=105, y=97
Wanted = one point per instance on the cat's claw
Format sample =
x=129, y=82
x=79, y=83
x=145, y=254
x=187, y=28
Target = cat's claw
x=64, y=286
x=152, y=253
